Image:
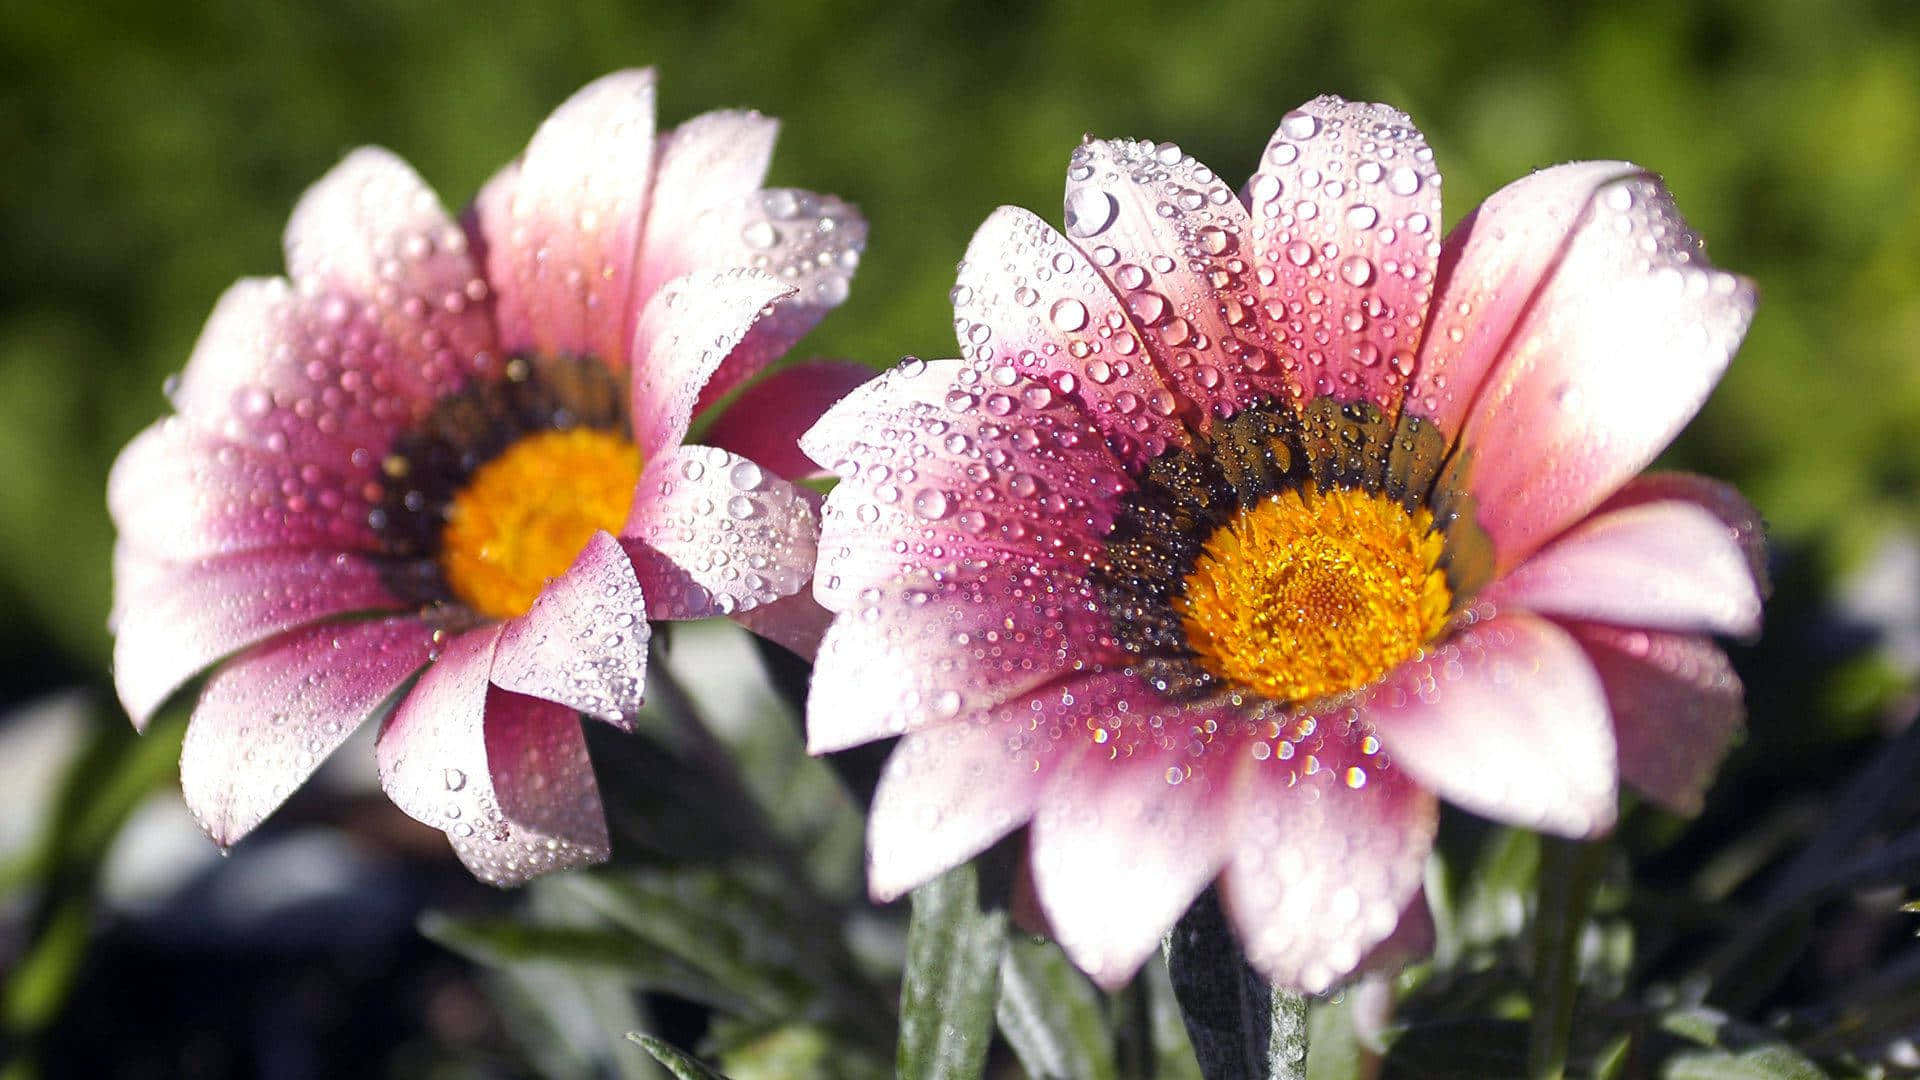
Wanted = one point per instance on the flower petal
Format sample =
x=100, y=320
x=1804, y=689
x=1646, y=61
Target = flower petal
x=1669, y=565
x=1014, y=473
x=1616, y=352
x=504, y=775
x=1507, y=719
x=268, y=718
x=1716, y=498
x=1492, y=264
x=325, y=377
x=688, y=328
x=916, y=652
x=193, y=614
x=1122, y=843
x=178, y=493
x=561, y=228
x=583, y=643
x=711, y=533
x=1345, y=212
x=807, y=241
x=950, y=791
x=1332, y=845
x=765, y=422
x=1028, y=303
x=797, y=623
x=1676, y=708
x=714, y=158
x=1171, y=240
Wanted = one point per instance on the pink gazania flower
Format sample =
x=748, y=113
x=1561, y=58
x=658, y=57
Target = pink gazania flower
x=458, y=452
x=1249, y=524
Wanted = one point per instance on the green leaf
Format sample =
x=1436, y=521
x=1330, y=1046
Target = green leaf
x=682, y=1065
x=1051, y=1014
x=1569, y=871
x=948, y=990
x=1238, y=1024
x=1774, y=1062
x=508, y=943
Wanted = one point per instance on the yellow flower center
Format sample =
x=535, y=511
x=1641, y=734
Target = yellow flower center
x=1310, y=593
x=523, y=517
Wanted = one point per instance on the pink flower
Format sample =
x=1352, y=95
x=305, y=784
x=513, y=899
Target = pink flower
x=1248, y=525
x=458, y=451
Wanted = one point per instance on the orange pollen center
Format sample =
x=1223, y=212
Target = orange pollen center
x=524, y=516
x=1310, y=593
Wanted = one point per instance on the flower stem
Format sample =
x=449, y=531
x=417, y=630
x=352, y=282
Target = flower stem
x=1569, y=873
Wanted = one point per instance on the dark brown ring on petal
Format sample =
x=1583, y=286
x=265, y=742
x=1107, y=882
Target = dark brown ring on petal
x=431, y=462
x=1183, y=496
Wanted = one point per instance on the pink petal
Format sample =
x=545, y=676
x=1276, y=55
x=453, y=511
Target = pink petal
x=384, y=317
x=764, y=423
x=1029, y=303
x=1491, y=266
x=687, y=329
x=1122, y=842
x=797, y=623
x=372, y=232
x=561, y=229
x=997, y=474
x=810, y=242
x=326, y=377
x=918, y=652
x=504, y=775
x=1171, y=240
x=1616, y=353
x=1507, y=719
x=711, y=533
x=1676, y=708
x=583, y=643
x=193, y=614
x=1345, y=213
x=1718, y=499
x=710, y=160
x=1668, y=565
x=1332, y=845
x=178, y=493
x=950, y=791
x=267, y=719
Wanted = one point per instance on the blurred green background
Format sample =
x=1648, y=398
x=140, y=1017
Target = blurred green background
x=154, y=152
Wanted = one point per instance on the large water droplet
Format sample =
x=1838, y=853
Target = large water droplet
x=1090, y=211
x=1069, y=315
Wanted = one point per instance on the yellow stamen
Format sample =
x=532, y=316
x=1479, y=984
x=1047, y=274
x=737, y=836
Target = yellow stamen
x=1310, y=593
x=524, y=516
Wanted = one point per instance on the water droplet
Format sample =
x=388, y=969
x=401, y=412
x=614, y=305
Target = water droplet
x=1356, y=271
x=932, y=504
x=760, y=235
x=1403, y=181
x=1090, y=211
x=1362, y=216
x=1069, y=315
x=1299, y=124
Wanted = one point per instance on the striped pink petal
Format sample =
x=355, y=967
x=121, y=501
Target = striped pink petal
x=561, y=228
x=583, y=643
x=1507, y=719
x=270, y=717
x=765, y=422
x=687, y=330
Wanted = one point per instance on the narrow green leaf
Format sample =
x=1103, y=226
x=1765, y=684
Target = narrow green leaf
x=1051, y=1014
x=1569, y=871
x=1239, y=1025
x=682, y=1065
x=508, y=943
x=948, y=990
